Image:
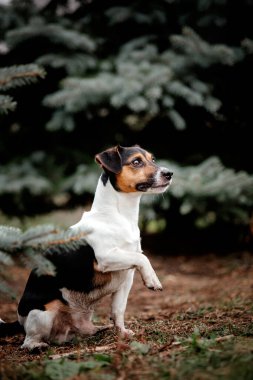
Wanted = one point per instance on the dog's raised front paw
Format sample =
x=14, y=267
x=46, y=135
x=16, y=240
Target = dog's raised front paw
x=152, y=282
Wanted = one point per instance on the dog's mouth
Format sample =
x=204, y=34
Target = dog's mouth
x=157, y=183
x=160, y=186
x=145, y=186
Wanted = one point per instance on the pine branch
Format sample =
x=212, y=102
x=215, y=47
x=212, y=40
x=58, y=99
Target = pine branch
x=5, y=259
x=15, y=178
x=74, y=64
x=54, y=33
x=29, y=247
x=202, y=52
x=39, y=238
x=6, y=289
x=7, y=104
x=17, y=76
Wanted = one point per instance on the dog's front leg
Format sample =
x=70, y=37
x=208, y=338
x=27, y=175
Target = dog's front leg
x=119, y=302
x=120, y=259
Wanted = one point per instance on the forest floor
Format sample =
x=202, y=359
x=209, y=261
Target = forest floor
x=199, y=327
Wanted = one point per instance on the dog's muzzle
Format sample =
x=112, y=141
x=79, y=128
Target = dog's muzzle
x=161, y=180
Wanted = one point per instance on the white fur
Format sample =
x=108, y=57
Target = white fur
x=38, y=325
x=113, y=233
x=115, y=237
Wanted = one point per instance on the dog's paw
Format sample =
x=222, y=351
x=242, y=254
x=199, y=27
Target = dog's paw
x=152, y=282
x=35, y=347
x=124, y=333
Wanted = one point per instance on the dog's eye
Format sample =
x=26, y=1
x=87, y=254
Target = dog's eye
x=153, y=159
x=136, y=162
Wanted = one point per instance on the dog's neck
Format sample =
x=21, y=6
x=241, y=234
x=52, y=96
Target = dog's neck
x=107, y=198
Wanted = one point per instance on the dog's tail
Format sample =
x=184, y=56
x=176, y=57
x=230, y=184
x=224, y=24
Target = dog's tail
x=10, y=328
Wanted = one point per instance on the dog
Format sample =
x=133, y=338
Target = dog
x=58, y=308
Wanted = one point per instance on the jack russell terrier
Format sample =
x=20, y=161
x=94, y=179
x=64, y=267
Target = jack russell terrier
x=57, y=308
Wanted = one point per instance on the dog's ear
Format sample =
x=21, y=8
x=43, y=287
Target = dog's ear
x=110, y=159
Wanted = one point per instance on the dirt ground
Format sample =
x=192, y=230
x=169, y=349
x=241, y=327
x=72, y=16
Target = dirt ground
x=213, y=293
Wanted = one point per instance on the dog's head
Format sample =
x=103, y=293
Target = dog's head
x=133, y=169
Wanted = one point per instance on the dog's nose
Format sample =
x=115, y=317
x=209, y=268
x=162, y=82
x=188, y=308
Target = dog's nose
x=167, y=174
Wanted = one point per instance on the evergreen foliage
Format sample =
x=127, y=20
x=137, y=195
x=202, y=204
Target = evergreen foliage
x=144, y=82
x=27, y=247
x=172, y=76
x=55, y=33
x=212, y=191
x=17, y=76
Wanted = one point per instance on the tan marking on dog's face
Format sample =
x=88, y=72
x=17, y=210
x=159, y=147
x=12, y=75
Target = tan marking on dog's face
x=137, y=169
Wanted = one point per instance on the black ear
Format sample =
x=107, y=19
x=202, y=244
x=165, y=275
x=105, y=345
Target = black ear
x=110, y=159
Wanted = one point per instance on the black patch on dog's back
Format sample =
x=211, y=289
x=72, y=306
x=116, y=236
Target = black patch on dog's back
x=74, y=271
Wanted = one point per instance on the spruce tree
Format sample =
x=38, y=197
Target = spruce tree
x=171, y=76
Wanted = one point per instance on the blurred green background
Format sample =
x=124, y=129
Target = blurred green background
x=174, y=76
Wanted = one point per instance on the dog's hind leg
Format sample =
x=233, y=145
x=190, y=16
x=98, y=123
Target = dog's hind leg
x=38, y=325
x=119, y=302
x=84, y=325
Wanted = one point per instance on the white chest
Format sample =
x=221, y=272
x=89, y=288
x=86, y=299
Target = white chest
x=107, y=234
